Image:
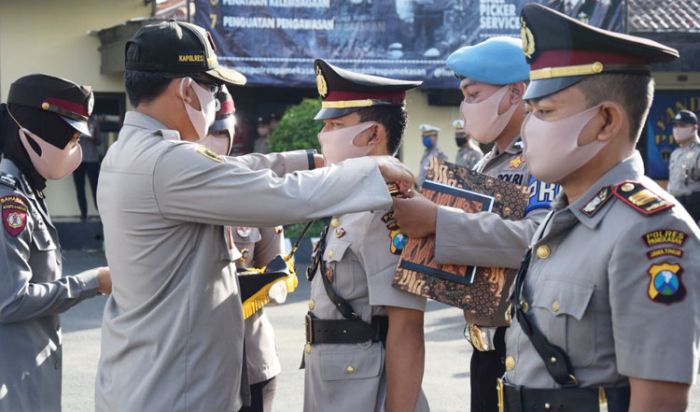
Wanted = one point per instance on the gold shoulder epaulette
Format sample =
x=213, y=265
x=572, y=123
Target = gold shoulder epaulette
x=641, y=199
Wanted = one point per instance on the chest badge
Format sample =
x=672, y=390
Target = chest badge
x=665, y=283
x=243, y=231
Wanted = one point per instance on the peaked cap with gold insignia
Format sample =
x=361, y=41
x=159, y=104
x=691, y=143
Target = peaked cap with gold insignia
x=562, y=51
x=344, y=91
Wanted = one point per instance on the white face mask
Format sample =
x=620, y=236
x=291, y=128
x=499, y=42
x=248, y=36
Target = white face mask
x=201, y=119
x=482, y=120
x=683, y=134
x=337, y=145
x=53, y=163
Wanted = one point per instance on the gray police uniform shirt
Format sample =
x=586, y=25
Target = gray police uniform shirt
x=32, y=294
x=352, y=377
x=172, y=331
x=425, y=162
x=468, y=156
x=684, y=170
x=614, y=288
x=486, y=239
x=258, y=246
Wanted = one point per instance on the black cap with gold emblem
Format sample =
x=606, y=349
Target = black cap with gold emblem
x=344, y=91
x=562, y=51
x=72, y=102
x=176, y=47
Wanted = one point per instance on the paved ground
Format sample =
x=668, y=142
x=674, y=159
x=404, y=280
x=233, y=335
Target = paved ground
x=446, y=381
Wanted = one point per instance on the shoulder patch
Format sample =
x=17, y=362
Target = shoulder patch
x=204, y=151
x=14, y=214
x=665, y=283
x=641, y=199
x=668, y=236
x=397, y=240
x=597, y=201
x=665, y=251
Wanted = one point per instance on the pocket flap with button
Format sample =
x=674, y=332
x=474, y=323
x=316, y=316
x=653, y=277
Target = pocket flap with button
x=335, y=250
x=42, y=239
x=352, y=362
x=563, y=297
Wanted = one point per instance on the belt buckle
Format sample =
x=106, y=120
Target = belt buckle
x=477, y=338
x=309, y=329
x=501, y=397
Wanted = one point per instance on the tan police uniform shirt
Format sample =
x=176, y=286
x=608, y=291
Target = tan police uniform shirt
x=425, y=162
x=258, y=246
x=468, y=156
x=352, y=377
x=172, y=331
x=32, y=294
x=486, y=239
x=684, y=170
x=616, y=289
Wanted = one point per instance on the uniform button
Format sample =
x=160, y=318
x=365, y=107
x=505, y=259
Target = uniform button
x=350, y=370
x=543, y=251
x=339, y=232
x=245, y=253
x=627, y=187
x=525, y=306
x=335, y=222
x=547, y=406
x=307, y=348
x=312, y=304
x=556, y=306
x=510, y=363
x=330, y=254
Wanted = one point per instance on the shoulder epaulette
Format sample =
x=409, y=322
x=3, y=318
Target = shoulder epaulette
x=8, y=180
x=641, y=199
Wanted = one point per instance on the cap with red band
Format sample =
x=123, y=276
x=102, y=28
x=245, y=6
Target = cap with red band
x=71, y=101
x=562, y=51
x=344, y=91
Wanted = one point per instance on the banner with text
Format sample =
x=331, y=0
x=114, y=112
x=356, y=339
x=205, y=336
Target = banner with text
x=274, y=42
x=659, y=130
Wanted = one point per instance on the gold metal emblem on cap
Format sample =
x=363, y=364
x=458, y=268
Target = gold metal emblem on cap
x=321, y=84
x=527, y=38
x=45, y=106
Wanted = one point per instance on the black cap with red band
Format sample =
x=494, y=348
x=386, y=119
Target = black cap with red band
x=562, y=51
x=69, y=100
x=344, y=91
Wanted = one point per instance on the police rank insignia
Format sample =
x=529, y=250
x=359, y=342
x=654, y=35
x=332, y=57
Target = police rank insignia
x=597, y=202
x=14, y=214
x=641, y=199
x=516, y=162
x=665, y=283
x=204, y=151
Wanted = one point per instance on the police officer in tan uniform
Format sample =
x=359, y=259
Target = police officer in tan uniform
x=469, y=152
x=429, y=137
x=258, y=246
x=40, y=126
x=684, y=165
x=365, y=349
x=172, y=331
x=606, y=302
x=493, y=75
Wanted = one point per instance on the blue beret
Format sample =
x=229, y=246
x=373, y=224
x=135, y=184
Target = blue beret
x=498, y=60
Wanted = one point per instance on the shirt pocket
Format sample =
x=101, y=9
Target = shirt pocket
x=561, y=310
x=44, y=262
x=340, y=259
x=351, y=362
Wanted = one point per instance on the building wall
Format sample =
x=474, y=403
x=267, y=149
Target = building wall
x=53, y=37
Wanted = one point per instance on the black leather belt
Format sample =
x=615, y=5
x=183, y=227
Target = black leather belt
x=519, y=399
x=345, y=330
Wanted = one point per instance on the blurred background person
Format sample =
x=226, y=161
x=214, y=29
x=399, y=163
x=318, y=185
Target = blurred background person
x=684, y=165
x=429, y=134
x=90, y=167
x=469, y=152
x=262, y=144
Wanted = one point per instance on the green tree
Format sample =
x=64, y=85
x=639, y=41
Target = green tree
x=297, y=129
